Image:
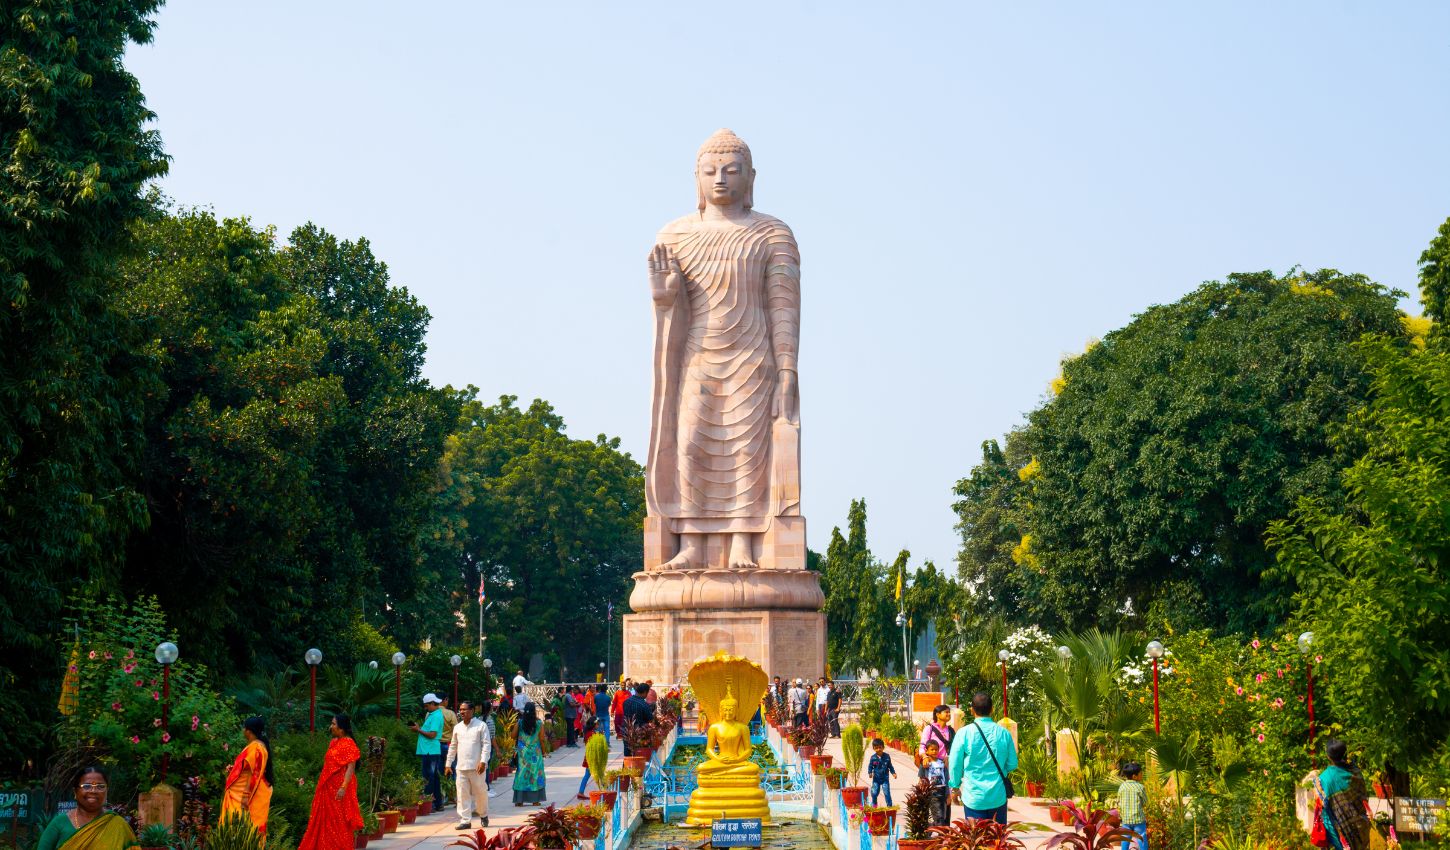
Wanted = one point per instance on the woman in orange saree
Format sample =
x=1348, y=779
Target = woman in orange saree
x=249, y=784
x=335, y=812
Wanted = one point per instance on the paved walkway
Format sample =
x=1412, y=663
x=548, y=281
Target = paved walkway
x=563, y=769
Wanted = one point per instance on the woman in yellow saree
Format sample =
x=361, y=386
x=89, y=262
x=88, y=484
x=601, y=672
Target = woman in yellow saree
x=249, y=784
x=88, y=826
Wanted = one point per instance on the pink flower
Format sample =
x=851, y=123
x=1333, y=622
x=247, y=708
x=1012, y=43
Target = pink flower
x=1261, y=737
x=135, y=739
x=165, y=737
x=1281, y=673
x=1279, y=703
x=91, y=655
x=1258, y=677
x=1254, y=643
x=130, y=653
x=156, y=695
x=1263, y=725
x=127, y=668
x=140, y=684
x=195, y=722
x=109, y=656
x=225, y=747
x=1318, y=659
x=74, y=669
x=115, y=706
x=1239, y=691
x=156, y=722
x=1300, y=697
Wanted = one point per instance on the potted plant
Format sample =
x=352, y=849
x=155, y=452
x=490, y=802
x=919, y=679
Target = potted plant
x=800, y=738
x=553, y=829
x=509, y=838
x=853, y=753
x=835, y=777
x=389, y=816
x=973, y=834
x=639, y=736
x=587, y=820
x=916, y=810
x=880, y=820
x=596, y=759
x=505, y=741
x=1035, y=767
x=410, y=789
x=372, y=827
x=1092, y=830
x=620, y=779
x=154, y=837
x=234, y=832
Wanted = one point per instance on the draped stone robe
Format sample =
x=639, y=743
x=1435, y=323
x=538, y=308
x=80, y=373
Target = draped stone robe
x=718, y=461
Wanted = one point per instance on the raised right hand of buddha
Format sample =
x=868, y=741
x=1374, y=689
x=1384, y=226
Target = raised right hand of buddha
x=665, y=275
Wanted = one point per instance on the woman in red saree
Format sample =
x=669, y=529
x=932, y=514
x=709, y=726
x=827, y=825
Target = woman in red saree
x=249, y=784
x=335, y=812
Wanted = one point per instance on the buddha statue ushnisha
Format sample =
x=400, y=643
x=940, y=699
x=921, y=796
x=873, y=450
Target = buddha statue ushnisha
x=728, y=780
x=724, y=461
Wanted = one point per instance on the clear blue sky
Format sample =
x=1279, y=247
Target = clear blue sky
x=977, y=189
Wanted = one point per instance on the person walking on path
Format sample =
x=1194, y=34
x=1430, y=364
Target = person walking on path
x=472, y=746
x=940, y=731
x=430, y=748
x=529, y=781
x=982, y=756
x=591, y=728
x=932, y=767
x=249, y=784
x=880, y=769
x=1344, y=804
x=799, y=702
x=617, y=706
x=833, y=709
x=336, y=816
x=637, y=709
x=571, y=714
x=602, y=706
x=1132, y=805
x=520, y=680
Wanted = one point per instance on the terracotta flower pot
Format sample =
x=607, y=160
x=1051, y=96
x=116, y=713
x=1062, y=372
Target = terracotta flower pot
x=881, y=821
x=820, y=762
x=360, y=841
x=805, y=751
x=588, y=828
x=624, y=782
x=1054, y=813
x=410, y=814
x=917, y=843
x=854, y=796
x=388, y=820
x=635, y=763
x=425, y=807
x=1035, y=789
x=602, y=798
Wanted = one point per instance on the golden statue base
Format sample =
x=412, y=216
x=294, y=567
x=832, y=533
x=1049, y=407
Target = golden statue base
x=711, y=804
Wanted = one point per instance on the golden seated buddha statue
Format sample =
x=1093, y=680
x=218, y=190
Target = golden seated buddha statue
x=728, y=781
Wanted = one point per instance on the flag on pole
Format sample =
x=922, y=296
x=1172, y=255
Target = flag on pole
x=480, y=590
x=70, y=688
x=611, y=612
x=900, y=576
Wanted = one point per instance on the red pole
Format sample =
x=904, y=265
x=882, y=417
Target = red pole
x=398, y=691
x=1004, y=689
x=1156, y=729
x=455, y=688
x=165, y=715
x=1310, y=665
x=312, y=701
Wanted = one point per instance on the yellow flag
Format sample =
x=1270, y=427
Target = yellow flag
x=70, y=689
x=900, y=576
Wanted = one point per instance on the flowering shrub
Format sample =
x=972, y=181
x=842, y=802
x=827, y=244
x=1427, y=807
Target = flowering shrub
x=120, y=700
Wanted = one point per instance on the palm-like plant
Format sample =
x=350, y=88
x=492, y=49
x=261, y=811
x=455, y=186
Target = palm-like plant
x=1082, y=694
x=360, y=693
x=264, y=694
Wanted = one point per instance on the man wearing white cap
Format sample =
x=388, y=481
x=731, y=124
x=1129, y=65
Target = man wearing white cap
x=430, y=747
x=799, y=705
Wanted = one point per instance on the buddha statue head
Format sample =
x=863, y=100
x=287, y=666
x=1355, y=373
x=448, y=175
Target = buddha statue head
x=728, y=706
x=724, y=175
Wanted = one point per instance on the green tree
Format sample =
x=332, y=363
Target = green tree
x=1372, y=573
x=1175, y=442
x=76, y=154
x=553, y=525
x=860, y=604
x=995, y=559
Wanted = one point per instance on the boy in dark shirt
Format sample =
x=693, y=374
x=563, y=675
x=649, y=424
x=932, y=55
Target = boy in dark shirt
x=932, y=768
x=880, y=770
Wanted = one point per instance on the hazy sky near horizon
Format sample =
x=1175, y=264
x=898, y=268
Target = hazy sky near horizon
x=977, y=188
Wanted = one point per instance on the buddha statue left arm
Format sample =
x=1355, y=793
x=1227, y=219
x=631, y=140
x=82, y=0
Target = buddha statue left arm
x=783, y=305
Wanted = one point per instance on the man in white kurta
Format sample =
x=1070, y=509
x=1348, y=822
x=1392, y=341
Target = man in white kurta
x=472, y=746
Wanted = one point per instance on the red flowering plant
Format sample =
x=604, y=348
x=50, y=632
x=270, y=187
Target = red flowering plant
x=1093, y=829
x=119, y=699
x=1273, y=685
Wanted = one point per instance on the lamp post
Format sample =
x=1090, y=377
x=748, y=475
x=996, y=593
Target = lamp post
x=1306, y=643
x=1064, y=653
x=398, y=659
x=313, y=657
x=455, y=660
x=1155, y=652
x=166, y=654
x=905, y=659
x=373, y=665
x=601, y=672
x=1002, y=656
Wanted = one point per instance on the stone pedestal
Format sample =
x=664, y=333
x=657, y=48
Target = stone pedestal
x=661, y=646
x=162, y=804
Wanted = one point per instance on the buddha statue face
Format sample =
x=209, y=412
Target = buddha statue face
x=727, y=709
x=724, y=178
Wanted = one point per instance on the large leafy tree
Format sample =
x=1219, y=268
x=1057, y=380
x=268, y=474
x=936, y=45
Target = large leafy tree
x=1373, y=574
x=290, y=446
x=996, y=561
x=75, y=155
x=1174, y=443
x=860, y=603
x=553, y=525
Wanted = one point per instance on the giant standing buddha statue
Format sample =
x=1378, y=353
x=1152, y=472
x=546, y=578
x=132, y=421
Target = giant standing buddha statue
x=724, y=539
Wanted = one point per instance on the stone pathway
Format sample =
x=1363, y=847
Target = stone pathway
x=563, y=769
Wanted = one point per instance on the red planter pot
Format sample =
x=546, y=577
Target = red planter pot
x=360, y=841
x=1035, y=789
x=805, y=751
x=820, y=762
x=854, y=796
x=881, y=822
x=623, y=782
x=388, y=821
x=635, y=763
x=410, y=814
x=588, y=828
x=602, y=798
x=917, y=843
x=425, y=807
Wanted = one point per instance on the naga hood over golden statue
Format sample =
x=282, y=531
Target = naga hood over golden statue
x=728, y=688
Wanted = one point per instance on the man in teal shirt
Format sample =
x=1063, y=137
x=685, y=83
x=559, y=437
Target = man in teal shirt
x=430, y=749
x=982, y=785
